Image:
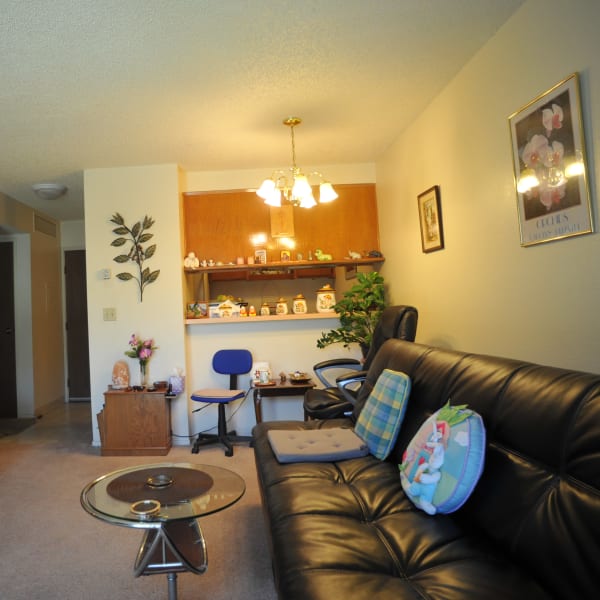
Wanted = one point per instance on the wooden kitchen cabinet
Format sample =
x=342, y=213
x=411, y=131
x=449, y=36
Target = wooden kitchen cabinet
x=135, y=423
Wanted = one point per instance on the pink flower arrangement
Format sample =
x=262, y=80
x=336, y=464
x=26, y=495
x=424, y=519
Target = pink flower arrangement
x=141, y=349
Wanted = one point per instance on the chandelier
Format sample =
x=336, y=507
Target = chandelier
x=294, y=186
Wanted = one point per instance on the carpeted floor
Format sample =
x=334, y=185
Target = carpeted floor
x=14, y=426
x=51, y=548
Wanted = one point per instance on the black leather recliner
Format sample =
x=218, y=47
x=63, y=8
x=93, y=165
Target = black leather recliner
x=337, y=398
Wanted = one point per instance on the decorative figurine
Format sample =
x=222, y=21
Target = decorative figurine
x=322, y=256
x=191, y=261
x=354, y=255
x=120, y=375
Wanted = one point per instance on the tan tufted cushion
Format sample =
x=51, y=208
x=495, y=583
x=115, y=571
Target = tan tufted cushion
x=319, y=445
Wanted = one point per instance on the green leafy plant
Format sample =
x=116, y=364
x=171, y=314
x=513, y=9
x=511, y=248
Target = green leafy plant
x=137, y=235
x=360, y=310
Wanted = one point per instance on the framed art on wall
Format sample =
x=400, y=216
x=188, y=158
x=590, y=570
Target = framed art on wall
x=548, y=149
x=260, y=257
x=430, y=219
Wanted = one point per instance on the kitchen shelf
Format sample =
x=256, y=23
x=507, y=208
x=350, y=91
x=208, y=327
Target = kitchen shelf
x=287, y=268
x=261, y=319
x=199, y=280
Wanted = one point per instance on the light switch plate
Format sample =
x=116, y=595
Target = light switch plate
x=109, y=314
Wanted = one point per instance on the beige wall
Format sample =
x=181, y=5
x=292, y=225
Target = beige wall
x=134, y=192
x=38, y=315
x=484, y=292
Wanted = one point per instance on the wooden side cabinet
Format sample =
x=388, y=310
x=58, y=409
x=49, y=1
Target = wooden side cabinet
x=135, y=423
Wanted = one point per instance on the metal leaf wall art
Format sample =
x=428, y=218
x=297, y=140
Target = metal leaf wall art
x=136, y=237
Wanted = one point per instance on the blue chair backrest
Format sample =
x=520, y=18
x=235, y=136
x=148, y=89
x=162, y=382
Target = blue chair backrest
x=232, y=362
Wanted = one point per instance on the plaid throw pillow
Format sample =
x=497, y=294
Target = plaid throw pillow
x=379, y=421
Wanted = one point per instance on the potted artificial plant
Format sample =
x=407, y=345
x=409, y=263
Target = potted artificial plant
x=360, y=310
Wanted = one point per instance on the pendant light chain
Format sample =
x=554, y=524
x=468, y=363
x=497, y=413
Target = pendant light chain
x=293, y=149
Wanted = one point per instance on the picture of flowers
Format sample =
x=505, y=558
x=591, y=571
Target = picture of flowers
x=430, y=219
x=549, y=163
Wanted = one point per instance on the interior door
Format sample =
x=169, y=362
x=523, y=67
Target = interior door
x=8, y=370
x=78, y=357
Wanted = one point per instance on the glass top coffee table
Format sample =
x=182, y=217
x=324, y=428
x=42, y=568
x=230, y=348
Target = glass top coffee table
x=167, y=501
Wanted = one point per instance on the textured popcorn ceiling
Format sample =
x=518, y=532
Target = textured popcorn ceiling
x=206, y=83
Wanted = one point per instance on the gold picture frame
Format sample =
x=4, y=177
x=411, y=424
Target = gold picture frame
x=548, y=150
x=430, y=219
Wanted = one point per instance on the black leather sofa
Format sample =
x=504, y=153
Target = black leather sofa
x=530, y=529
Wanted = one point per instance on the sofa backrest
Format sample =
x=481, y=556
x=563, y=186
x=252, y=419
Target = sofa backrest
x=398, y=321
x=539, y=494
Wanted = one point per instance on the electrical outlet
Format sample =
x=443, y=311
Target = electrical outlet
x=109, y=314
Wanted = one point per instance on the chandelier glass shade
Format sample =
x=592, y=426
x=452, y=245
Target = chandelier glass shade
x=293, y=186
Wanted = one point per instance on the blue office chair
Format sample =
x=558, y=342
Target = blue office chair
x=226, y=362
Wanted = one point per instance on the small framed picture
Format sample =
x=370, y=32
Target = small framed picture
x=260, y=257
x=430, y=219
x=286, y=256
x=548, y=148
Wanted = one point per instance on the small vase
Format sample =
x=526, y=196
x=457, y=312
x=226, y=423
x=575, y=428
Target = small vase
x=142, y=374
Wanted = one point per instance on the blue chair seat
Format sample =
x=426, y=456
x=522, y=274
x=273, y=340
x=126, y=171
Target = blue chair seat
x=217, y=395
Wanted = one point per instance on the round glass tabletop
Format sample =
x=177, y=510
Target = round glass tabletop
x=148, y=495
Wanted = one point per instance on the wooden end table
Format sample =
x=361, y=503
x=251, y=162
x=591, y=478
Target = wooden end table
x=276, y=389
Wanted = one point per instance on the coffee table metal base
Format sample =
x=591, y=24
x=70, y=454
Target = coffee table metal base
x=174, y=547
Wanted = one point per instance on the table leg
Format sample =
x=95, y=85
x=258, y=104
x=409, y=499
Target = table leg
x=257, y=405
x=172, y=584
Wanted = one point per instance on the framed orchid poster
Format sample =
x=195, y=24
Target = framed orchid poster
x=548, y=148
x=430, y=219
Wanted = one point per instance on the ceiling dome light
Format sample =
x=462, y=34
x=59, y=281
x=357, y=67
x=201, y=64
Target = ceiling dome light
x=49, y=191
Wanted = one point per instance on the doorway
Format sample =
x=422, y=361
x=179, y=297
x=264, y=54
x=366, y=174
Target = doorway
x=8, y=372
x=78, y=356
